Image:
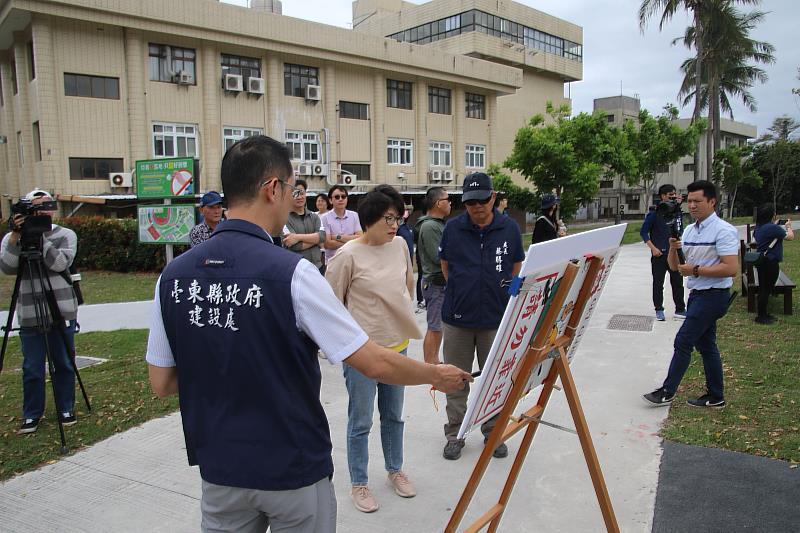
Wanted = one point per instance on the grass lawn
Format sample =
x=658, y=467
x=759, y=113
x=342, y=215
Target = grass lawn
x=762, y=372
x=118, y=391
x=101, y=287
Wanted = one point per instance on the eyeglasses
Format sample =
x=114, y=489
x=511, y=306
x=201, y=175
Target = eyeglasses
x=476, y=202
x=339, y=197
x=297, y=192
x=391, y=220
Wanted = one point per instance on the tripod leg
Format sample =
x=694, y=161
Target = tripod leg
x=52, y=370
x=10, y=322
x=69, y=346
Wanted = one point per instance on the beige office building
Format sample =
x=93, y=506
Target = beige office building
x=88, y=87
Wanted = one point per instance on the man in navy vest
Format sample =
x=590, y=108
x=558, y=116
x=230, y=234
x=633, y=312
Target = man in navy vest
x=235, y=330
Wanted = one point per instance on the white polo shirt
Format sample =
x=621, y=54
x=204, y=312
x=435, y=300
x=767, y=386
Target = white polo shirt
x=703, y=245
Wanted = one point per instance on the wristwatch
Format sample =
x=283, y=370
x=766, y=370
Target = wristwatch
x=696, y=271
x=339, y=237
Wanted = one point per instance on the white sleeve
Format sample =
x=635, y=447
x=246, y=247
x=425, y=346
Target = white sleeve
x=321, y=316
x=159, y=352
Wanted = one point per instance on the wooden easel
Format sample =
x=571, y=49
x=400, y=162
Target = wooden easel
x=540, y=349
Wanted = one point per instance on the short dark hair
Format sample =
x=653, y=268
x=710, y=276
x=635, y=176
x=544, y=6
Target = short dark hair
x=765, y=214
x=327, y=200
x=337, y=188
x=248, y=162
x=432, y=196
x=376, y=202
x=301, y=183
x=666, y=189
x=708, y=188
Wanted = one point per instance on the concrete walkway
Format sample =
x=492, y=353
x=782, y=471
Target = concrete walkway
x=139, y=480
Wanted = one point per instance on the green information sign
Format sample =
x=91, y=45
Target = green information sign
x=165, y=224
x=165, y=178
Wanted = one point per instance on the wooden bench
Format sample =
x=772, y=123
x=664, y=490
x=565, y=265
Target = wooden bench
x=750, y=287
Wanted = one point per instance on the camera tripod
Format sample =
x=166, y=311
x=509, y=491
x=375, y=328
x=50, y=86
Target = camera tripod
x=48, y=318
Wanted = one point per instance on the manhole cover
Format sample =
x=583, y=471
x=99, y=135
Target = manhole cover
x=631, y=323
x=83, y=361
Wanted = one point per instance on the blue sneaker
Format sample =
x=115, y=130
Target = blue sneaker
x=660, y=316
x=680, y=315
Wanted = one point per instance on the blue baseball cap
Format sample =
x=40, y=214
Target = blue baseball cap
x=477, y=186
x=210, y=198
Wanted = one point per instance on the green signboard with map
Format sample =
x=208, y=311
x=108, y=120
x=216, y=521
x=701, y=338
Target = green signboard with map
x=165, y=178
x=165, y=224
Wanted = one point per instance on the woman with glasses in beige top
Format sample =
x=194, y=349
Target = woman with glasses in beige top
x=373, y=276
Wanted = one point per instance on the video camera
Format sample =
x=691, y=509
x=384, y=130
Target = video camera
x=670, y=212
x=35, y=225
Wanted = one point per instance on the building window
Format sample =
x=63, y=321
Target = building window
x=167, y=62
x=353, y=110
x=633, y=202
x=14, y=87
x=439, y=154
x=476, y=106
x=246, y=67
x=93, y=168
x=688, y=167
x=400, y=151
x=610, y=119
x=439, y=100
x=174, y=140
x=398, y=94
x=606, y=184
x=230, y=135
x=37, y=142
x=662, y=169
x=20, y=149
x=31, y=61
x=304, y=145
x=361, y=171
x=297, y=77
x=91, y=86
x=475, y=156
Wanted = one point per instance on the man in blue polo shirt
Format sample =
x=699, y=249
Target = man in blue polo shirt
x=711, y=247
x=235, y=329
x=655, y=233
x=480, y=252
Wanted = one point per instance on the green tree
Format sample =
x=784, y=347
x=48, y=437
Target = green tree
x=568, y=156
x=778, y=163
x=727, y=70
x=782, y=129
x=518, y=197
x=733, y=168
x=656, y=143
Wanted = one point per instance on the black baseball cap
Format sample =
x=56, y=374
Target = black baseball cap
x=477, y=186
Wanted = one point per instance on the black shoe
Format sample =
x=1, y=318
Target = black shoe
x=765, y=319
x=499, y=452
x=452, y=450
x=706, y=400
x=29, y=425
x=67, y=418
x=659, y=397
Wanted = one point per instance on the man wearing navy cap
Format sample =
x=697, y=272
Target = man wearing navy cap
x=211, y=209
x=480, y=252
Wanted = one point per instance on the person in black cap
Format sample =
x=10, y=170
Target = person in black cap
x=211, y=209
x=480, y=252
x=548, y=226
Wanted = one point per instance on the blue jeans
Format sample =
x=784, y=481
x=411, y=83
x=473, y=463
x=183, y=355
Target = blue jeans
x=34, y=368
x=361, y=391
x=699, y=330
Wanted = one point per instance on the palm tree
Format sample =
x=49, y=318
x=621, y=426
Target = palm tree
x=727, y=72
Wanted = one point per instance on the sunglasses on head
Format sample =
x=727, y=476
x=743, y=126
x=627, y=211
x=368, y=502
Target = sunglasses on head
x=476, y=202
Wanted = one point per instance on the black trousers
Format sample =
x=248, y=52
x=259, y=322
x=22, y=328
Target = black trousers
x=420, y=299
x=660, y=267
x=767, y=277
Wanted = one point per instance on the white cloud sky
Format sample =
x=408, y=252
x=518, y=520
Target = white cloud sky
x=617, y=54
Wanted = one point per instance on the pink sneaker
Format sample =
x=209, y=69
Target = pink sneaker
x=401, y=485
x=363, y=499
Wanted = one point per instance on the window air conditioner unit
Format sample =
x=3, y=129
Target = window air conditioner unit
x=436, y=175
x=255, y=85
x=184, y=78
x=447, y=175
x=233, y=83
x=120, y=179
x=347, y=178
x=320, y=170
x=305, y=170
x=313, y=93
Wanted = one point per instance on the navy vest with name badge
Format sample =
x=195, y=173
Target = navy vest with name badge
x=248, y=380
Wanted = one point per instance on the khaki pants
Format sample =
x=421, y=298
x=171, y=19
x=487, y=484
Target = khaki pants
x=459, y=346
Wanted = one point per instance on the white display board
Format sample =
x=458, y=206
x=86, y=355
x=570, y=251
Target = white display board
x=542, y=271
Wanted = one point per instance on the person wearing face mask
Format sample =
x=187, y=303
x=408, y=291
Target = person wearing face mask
x=59, y=246
x=341, y=224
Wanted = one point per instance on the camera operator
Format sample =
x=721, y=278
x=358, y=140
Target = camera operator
x=655, y=233
x=58, y=248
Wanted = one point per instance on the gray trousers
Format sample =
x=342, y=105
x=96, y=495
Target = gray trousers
x=459, y=347
x=310, y=509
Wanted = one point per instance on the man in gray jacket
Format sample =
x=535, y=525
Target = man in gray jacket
x=429, y=228
x=305, y=231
